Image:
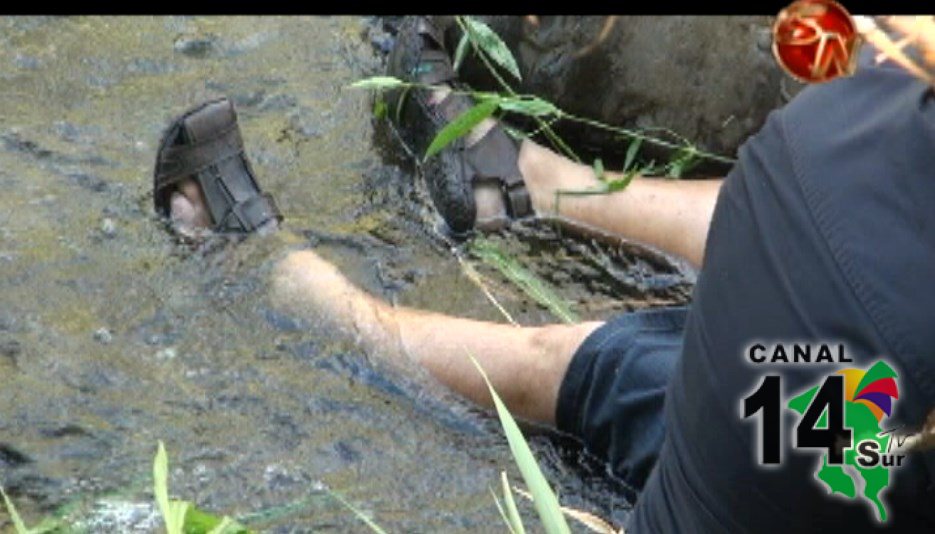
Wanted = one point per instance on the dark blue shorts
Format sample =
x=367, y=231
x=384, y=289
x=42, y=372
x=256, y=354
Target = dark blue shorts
x=613, y=392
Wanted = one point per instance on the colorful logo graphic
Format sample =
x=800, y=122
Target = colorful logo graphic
x=816, y=40
x=842, y=415
x=868, y=397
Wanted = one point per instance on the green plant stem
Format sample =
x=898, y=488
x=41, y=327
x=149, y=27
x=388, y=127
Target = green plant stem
x=545, y=126
x=637, y=135
x=546, y=129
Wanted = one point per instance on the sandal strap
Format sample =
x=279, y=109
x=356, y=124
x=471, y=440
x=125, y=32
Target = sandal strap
x=181, y=161
x=251, y=213
x=213, y=154
x=519, y=204
x=426, y=26
x=487, y=157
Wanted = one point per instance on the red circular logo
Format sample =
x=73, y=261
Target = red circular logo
x=815, y=40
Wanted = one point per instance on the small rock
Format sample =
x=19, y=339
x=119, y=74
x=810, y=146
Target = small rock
x=10, y=349
x=108, y=227
x=26, y=62
x=103, y=335
x=278, y=477
x=90, y=182
x=66, y=130
x=194, y=46
x=277, y=103
x=168, y=353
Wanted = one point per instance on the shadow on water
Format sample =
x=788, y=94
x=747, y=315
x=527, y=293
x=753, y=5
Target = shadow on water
x=112, y=336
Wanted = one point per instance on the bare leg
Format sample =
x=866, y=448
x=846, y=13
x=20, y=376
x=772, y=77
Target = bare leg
x=525, y=365
x=668, y=214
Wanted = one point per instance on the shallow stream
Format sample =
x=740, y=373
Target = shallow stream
x=114, y=336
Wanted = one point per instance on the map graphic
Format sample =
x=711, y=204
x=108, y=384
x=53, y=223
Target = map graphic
x=868, y=397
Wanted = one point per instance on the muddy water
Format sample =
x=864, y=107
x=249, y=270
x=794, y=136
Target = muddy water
x=113, y=336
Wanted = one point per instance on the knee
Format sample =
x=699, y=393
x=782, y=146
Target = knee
x=554, y=345
x=567, y=337
x=291, y=271
x=294, y=263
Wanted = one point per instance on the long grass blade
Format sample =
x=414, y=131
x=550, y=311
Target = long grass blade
x=528, y=282
x=544, y=499
x=161, y=484
x=173, y=512
x=516, y=522
x=506, y=520
x=360, y=515
x=18, y=525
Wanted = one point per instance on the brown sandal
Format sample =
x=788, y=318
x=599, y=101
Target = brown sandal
x=419, y=55
x=205, y=144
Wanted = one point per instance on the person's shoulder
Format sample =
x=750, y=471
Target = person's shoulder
x=876, y=98
x=862, y=152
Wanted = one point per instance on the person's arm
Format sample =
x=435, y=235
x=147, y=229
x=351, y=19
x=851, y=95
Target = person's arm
x=672, y=215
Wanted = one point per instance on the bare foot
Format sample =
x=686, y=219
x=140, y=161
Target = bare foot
x=545, y=173
x=189, y=212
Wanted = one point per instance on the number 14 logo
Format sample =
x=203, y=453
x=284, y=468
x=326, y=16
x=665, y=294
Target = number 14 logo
x=821, y=426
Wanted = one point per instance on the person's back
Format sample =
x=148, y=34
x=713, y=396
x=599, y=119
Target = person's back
x=824, y=232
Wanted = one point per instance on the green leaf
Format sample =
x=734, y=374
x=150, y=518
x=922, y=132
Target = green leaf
x=516, y=522
x=532, y=106
x=461, y=51
x=198, y=521
x=460, y=126
x=160, y=482
x=173, y=512
x=632, y=150
x=378, y=82
x=18, y=524
x=675, y=169
x=544, y=499
x=175, y=523
x=491, y=44
x=599, y=169
x=684, y=160
x=621, y=183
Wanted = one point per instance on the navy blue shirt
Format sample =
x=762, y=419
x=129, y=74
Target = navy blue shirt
x=824, y=230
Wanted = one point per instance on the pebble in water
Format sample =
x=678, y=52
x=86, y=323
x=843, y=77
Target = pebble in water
x=194, y=46
x=11, y=349
x=108, y=227
x=167, y=353
x=103, y=335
